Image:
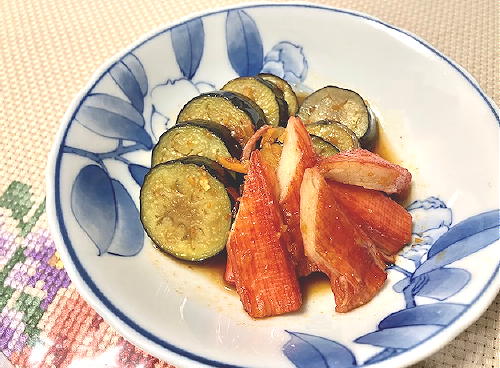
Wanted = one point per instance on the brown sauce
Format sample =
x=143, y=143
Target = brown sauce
x=317, y=283
x=383, y=148
x=214, y=268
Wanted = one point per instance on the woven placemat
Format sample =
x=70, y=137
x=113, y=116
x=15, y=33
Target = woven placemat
x=49, y=49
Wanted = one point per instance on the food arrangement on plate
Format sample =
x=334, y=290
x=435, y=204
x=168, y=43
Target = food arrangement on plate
x=240, y=190
x=286, y=189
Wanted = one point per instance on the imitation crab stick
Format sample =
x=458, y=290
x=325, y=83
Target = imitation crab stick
x=386, y=222
x=229, y=274
x=297, y=155
x=366, y=169
x=263, y=272
x=340, y=248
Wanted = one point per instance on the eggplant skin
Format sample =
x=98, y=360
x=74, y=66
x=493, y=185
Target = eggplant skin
x=323, y=148
x=280, y=100
x=238, y=113
x=342, y=105
x=369, y=139
x=265, y=94
x=288, y=93
x=232, y=145
x=213, y=168
x=188, y=139
x=185, y=209
x=246, y=105
x=335, y=133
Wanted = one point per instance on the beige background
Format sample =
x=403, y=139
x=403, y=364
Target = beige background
x=49, y=49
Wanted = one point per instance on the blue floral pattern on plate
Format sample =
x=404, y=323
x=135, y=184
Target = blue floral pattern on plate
x=99, y=199
x=435, y=245
x=104, y=208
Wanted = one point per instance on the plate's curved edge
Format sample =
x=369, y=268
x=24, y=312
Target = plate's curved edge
x=481, y=302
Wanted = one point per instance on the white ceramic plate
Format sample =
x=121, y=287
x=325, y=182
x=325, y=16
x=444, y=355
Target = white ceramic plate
x=436, y=119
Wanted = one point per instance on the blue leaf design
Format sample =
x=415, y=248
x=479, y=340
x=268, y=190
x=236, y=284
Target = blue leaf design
x=443, y=283
x=138, y=172
x=461, y=240
x=128, y=239
x=383, y=355
x=399, y=337
x=122, y=75
x=310, y=351
x=135, y=66
x=244, y=44
x=93, y=205
x=466, y=228
x=188, y=41
x=115, y=105
x=112, y=117
x=440, y=314
x=401, y=285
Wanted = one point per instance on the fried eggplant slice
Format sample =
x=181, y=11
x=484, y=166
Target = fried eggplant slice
x=265, y=94
x=335, y=133
x=186, y=207
x=236, y=112
x=344, y=106
x=195, y=138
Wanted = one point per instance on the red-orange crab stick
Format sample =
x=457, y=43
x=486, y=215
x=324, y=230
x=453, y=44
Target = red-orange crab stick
x=366, y=169
x=297, y=155
x=386, y=222
x=263, y=272
x=339, y=247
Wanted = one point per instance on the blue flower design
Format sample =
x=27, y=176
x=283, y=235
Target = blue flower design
x=169, y=98
x=286, y=60
x=431, y=219
x=436, y=244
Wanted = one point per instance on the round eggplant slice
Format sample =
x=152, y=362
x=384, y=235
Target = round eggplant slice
x=185, y=210
x=198, y=137
x=236, y=112
x=335, y=133
x=216, y=170
x=338, y=104
x=322, y=147
x=288, y=93
x=265, y=94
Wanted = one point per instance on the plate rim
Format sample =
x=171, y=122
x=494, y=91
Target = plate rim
x=161, y=348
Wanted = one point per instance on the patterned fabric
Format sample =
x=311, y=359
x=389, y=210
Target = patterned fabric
x=43, y=320
x=50, y=49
